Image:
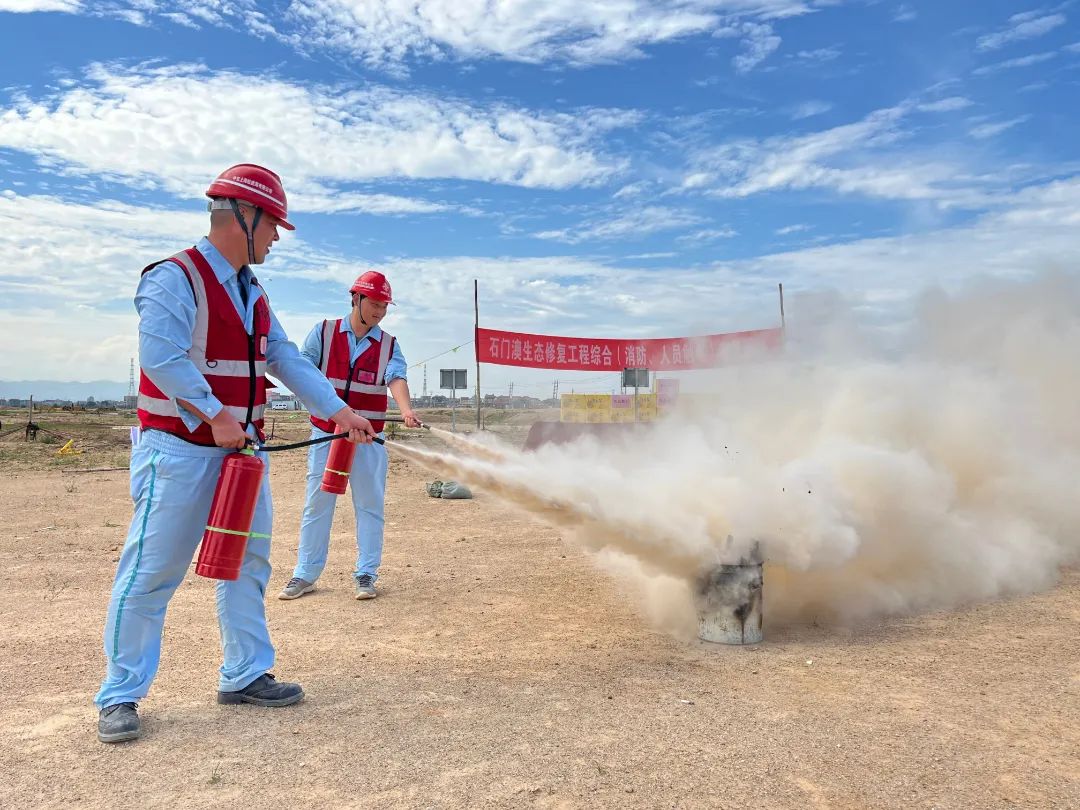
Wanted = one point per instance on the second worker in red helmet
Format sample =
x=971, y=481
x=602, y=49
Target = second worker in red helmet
x=365, y=364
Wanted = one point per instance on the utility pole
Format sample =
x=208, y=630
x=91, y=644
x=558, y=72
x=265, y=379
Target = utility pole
x=510, y=399
x=131, y=378
x=555, y=391
x=425, y=381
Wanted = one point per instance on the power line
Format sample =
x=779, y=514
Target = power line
x=440, y=354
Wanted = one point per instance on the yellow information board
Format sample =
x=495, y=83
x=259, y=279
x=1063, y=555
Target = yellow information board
x=599, y=408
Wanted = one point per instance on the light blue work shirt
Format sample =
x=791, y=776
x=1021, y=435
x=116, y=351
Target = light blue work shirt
x=313, y=348
x=166, y=307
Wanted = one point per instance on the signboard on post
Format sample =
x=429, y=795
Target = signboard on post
x=456, y=380
x=635, y=378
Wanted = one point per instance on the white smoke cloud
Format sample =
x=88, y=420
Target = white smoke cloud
x=882, y=477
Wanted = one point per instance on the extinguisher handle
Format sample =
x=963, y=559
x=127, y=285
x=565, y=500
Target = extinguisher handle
x=375, y=439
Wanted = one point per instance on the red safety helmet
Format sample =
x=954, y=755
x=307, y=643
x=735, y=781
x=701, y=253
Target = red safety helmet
x=255, y=185
x=373, y=285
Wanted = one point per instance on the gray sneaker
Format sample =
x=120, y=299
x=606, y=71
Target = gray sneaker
x=118, y=723
x=296, y=588
x=365, y=587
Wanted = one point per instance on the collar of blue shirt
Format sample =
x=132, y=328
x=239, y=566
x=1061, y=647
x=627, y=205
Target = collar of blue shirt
x=375, y=333
x=220, y=265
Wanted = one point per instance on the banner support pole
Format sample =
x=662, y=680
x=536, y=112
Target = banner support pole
x=476, y=345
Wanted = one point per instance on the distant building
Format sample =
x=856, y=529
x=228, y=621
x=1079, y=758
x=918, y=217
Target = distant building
x=286, y=402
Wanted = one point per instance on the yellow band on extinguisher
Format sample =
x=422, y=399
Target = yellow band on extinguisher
x=227, y=531
x=233, y=531
x=337, y=472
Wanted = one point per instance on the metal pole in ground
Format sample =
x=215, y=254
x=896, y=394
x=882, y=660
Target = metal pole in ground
x=476, y=346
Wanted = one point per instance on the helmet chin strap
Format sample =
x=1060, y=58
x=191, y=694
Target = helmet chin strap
x=250, y=234
x=360, y=311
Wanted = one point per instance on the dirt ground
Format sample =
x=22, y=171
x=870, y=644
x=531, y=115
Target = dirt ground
x=500, y=668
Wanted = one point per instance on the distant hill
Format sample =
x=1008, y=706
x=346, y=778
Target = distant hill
x=60, y=389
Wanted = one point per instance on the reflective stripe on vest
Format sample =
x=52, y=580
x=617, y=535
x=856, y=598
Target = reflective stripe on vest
x=239, y=384
x=168, y=407
x=386, y=346
x=362, y=397
x=199, y=337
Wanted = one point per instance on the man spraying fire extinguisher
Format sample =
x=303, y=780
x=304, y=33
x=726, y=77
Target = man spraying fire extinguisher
x=364, y=363
x=207, y=338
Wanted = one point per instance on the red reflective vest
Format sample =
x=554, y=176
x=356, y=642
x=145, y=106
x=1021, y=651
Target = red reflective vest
x=232, y=361
x=362, y=385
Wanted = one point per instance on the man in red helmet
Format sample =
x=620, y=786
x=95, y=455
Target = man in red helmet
x=364, y=363
x=207, y=338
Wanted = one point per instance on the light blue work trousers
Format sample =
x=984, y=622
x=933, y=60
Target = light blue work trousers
x=172, y=485
x=367, y=483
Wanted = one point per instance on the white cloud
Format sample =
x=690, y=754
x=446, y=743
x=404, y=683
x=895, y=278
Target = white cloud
x=1074, y=48
x=632, y=189
x=838, y=159
x=388, y=33
x=1036, y=230
x=808, y=109
x=626, y=225
x=1027, y=25
x=819, y=55
x=153, y=127
x=329, y=201
x=758, y=42
x=27, y=6
x=52, y=244
x=1018, y=62
x=181, y=19
x=789, y=229
x=243, y=14
x=707, y=235
x=873, y=157
x=946, y=104
x=667, y=254
x=989, y=130
x=558, y=30
x=904, y=13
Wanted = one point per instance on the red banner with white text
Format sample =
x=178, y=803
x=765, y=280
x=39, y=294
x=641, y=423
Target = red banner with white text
x=603, y=354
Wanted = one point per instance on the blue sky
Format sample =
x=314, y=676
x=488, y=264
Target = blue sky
x=636, y=168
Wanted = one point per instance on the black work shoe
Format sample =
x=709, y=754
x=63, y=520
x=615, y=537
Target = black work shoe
x=118, y=723
x=264, y=691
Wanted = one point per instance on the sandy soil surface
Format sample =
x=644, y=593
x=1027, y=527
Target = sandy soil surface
x=500, y=668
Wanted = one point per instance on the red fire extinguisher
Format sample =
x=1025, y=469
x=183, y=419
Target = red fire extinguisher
x=335, y=477
x=231, y=514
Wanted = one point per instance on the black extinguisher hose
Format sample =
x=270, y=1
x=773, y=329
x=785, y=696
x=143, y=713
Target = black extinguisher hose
x=297, y=445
